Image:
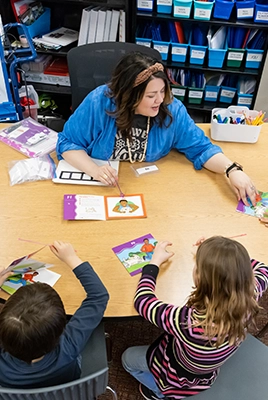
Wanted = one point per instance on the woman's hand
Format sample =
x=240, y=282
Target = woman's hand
x=243, y=187
x=199, y=241
x=105, y=174
x=161, y=254
x=4, y=275
x=264, y=220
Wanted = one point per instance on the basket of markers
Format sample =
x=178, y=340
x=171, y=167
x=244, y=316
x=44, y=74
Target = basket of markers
x=236, y=124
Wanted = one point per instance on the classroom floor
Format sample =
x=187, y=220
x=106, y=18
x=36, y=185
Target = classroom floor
x=134, y=332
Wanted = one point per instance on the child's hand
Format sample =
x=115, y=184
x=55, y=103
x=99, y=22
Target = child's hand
x=264, y=220
x=4, y=275
x=160, y=254
x=199, y=241
x=66, y=253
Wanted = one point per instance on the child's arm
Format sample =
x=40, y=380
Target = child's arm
x=260, y=271
x=90, y=313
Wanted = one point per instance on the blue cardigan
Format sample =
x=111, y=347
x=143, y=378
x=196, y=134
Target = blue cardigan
x=92, y=130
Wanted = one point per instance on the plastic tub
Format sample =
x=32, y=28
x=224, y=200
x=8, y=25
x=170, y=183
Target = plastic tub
x=41, y=25
x=261, y=11
x=211, y=93
x=235, y=57
x=203, y=9
x=223, y=9
x=182, y=8
x=216, y=57
x=245, y=9
x=254, y=58
x=144, y=5
x=244, y=99
x=143, y=41
x=179, y=52
x=162, y=47
x=164, y=6
x=227, y=94
x=195, y=95
x=179, y=92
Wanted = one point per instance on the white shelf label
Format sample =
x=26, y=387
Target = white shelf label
x=181, y=10
x=179, y=50
x=178, y=92
x=262, y=15
x=245, y=100
x=245, y=12
x=195, y=94
x=211, y=95
x=228, y=93
x=201, y=13
x=254, y=57
x=148, y=5
x=235, y=56
x=198, y=54
x=164, y=2
x=161, y=48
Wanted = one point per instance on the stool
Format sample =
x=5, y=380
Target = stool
x=243, y=377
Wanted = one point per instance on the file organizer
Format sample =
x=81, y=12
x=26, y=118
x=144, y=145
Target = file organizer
x=211, y=93
x=179, y=92
x=216, y=57
x=244, y=99
x=203, y=9
x=261, y=11
x=179, y=52
x=234, y=133
x=235, y=57
x=143, y=41
x=195, y=95
x=41, y=25
x=182, y=8
x=227, y=94
x=143, y=5
x=164, y=6
x=244, y=9
x=197, y=53
x=253, y=58
x=223, y=9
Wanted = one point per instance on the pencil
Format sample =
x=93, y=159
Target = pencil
x=117, y=184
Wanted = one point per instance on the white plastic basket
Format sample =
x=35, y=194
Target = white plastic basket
x=231, y=132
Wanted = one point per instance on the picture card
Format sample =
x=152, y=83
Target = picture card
x=261, y=208
x=24, y=264
x=91, y=207
x=136, y=253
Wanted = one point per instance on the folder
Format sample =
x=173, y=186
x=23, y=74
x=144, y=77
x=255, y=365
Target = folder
x=180, y=33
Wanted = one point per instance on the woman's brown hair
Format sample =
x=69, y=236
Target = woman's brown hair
x=127, y=97
x=224, y=294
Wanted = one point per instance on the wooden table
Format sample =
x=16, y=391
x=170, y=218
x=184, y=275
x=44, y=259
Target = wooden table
x=182, y=205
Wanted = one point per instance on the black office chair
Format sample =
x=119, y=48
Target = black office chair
x=91, y=65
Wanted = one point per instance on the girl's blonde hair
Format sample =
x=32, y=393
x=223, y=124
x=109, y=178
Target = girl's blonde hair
x=224, y=294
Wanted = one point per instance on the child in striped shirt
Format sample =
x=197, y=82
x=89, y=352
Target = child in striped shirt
x=201, y=335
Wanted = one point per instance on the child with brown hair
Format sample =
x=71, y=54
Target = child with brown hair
x=201, y=335
x=37, y=347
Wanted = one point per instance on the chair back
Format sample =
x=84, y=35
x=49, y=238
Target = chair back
x=91, y=65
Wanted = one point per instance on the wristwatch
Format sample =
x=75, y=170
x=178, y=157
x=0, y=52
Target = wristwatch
x=233, y=166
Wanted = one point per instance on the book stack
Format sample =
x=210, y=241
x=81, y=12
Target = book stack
x=101, y=25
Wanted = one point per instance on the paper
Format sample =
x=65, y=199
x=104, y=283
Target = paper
x=261, y=208
x=91, y=207
x=61, y=36
x=135, y=254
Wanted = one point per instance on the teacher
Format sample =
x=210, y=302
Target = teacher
x=135, y=118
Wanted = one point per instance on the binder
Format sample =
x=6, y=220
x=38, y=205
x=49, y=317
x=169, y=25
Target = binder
x=107, y=25
x=92, y=25
x=83, y=31
x=114, y=26
x=100, y=25
x=122, y=26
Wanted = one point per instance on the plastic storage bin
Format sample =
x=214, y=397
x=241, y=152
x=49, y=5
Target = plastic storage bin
x=234, y=133
x=261, y=11
x=179, y=52
x=244, y=99
x=227, y=94
x=195, y=95
x=143, y=41
x=211, y=93
x=164, y=6
x=182, y=8
x=144, y=5
x=203, y=9
x=179, y=92
x=41, y=25
x=254, y=58
x=197, y=54
x=223, y=9
x=216, y=57
x=235, y=57
x=162, y=47
x=245, y=9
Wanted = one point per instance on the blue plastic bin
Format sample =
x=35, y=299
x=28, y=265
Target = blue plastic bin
x=261, y=11
x=254, y=58
x=182, y=8
x=216, y=57
x=203, y=9
x=245, y=9
x=143, y=41
x=41, y=25
x=227, y=94
x=244, y=99
x=212, y=93
x=179, y=52
x=223, y=9
x=162, y=47
x=144, y=5
x=164, y=6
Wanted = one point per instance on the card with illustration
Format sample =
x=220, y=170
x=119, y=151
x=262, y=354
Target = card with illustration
x=23, y=264
x=261, y=208
x=91, y=207
x=135, y=254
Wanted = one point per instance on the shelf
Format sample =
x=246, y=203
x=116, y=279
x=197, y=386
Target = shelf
x=44, y=87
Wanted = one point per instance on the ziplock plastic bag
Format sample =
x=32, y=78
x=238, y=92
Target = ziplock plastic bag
x=31, y=169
